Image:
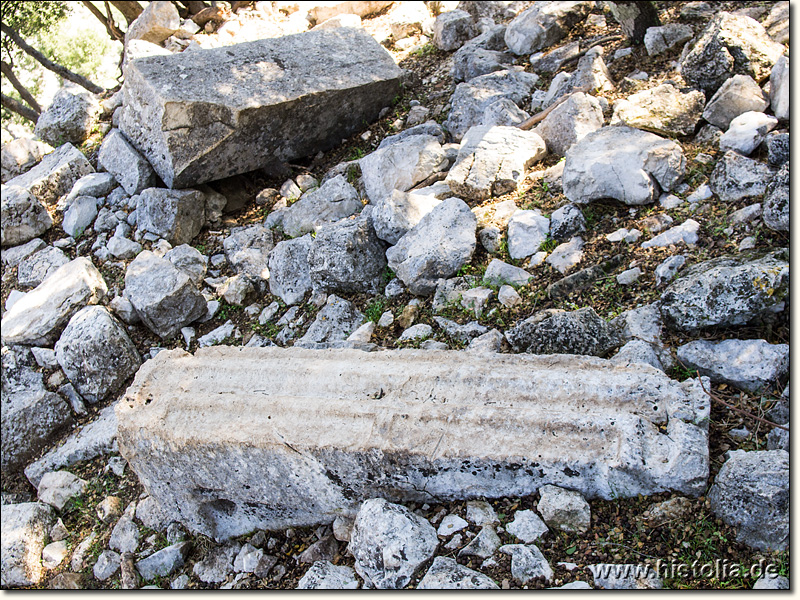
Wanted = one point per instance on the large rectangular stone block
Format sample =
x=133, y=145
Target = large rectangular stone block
x=203, y=115
x=234, y=439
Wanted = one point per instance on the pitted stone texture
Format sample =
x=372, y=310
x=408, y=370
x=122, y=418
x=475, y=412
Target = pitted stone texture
x=725, y=292
x=165, y=298
x=189, y=260
x=123, y=161
x=96, y=353
x=566, y=222
x=337, y=320
x=471, y=99
x=623, y=163
x=777, y=201
x=55, y=175
x=396, y=214
x=751, y=493
x=347, y=257
x=20, y=155
x=446, y=574
x=751, y=365
x=577, y=332
x=736, y=177
x=324, y=575
x=254, y=103
x=174, y=215
x=564, y=509
x=22, y=218
x=24, y=530
x=543, y=25
x=302, y=471
x=247, y=249
x=289, y=275
x=401, y=165
x=390, y=543
x=37, y=318
x=663, y=109
x=333, y=200
x=570, y=121
x=737, y=95
x=156, y=23
x=493, y=160
x=435, y=248
x=69, y=118
x=730, y=44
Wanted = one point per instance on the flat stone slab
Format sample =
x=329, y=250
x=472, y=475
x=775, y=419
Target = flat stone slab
x=235, y=439
x=204, y=115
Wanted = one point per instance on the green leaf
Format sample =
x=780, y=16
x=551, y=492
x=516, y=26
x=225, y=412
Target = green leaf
x=571, y=550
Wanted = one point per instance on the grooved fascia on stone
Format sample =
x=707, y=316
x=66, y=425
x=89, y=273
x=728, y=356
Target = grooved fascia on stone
x=233, y=439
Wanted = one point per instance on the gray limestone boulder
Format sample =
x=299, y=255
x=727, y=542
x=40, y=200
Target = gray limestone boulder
x=527, y=563
x=577, y=332
x=777, y=22
x=770, y=582
x=324, y=575
x=725, y=292
x=737, y=95
x=664, y=109
x=217, y=564
x=56, y=488
x=623, y=163
x=492, y=161
x=730, y=44
x=97, y=185
x=471, y=98
x=289, y=274
x=333, y=200
x=34, y=269
x=164, y=562
x=564, y=509
x=188, y=260
x=396, y=214
x=164, y=297
x=174, y=215
x=736, y=177
x=777, y=148
x=435, y=248
x=658, y=40
x=779, y=88
x=500, y=273
x=20, y=155
x=79, y=216
x=96, y=353
x=543, y=25
x=527, y=526
x=335, y=321
x=751, y=365
x=747, y=132
x=25, y=528
x=347, y=257
x=462, y=333
x=503, y=112
x=123, y=161
x=446, y=574
x=567, y=222
x=751, y=493
x=400, y=165
x=22, y=216
x=777, y=201
x=390, y=543
x=155, y=24
x=570, y=121
x=55, y=175
x=481, y=55
x=69, y=118
x=254, y=103
x=247, y=249
x=123, y=248
x=527, y=231
x=452, y=29
x=483, y=545
x=685, y=233
x=37, y=319
x=625, y=577
x=590, y=73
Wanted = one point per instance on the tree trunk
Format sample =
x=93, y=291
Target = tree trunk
x=129, y=9
x=21, y=89
x=113, y=31
x=19, y=108
x=49, y=64
x=635, y=18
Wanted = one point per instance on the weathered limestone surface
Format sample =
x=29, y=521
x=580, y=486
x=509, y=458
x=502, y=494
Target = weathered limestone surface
x=257, y=103
x=234, y=439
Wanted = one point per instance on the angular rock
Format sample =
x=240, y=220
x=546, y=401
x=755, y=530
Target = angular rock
x=322, y=11
x=543, y=25
x=58, y=487
x=737, y=95
x=164, y=562
x=107, y=565
x=747, y=132
x=591, y=73
x=22, y=218
x=566, y=255
x=483, y=545
x=777, y=22
x=79, y=216
x=463, y=333
x=527, y=231
x=777, y=201
x=500, y=273
x=96, y=353
x=420, y=331
x=55, y=175
x=435, y=248
x=625, y=577
x=725, y=292
x=779, y=88
x=69, y=118
x=37, y=318
x=751, y=493
x=390, y=543
x=730, y=44
x=20, y=155
x=577, y=332
x=566, y=222
x=155, y=24
x=663, y=109
x=174, y=215
x=276, y=432
x=247, y=248
x=564, y=509
x=685, y=233
x=452, y=29
x=189, y=260
x=570, y=121
x=123, y=161
x=768, y=582
x=290, y=278
x=527, y=526
x=347, y=257
x=324, y=575
x=471, y=99
x=400, y=165
x=623, y=163
x=751, y=365
x=503, y=112
x=658, y=40
x=736, y=177
x=217, y=564
x=397, y=213
x=97, y=185
x=333, y=200
x=337, y=320
x=25, y=528
x=254, y=102
x=481, y=55
x=446, y=574
x=551, y=62
x=777, y=148
x=164, y=296
x=527, y=562
x=492, y=161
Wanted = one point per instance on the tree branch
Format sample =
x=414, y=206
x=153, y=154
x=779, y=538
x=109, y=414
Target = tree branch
x=21, y=89
x=130, y=9
x=19, y=108
x=110, y=26
x=49, y=64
